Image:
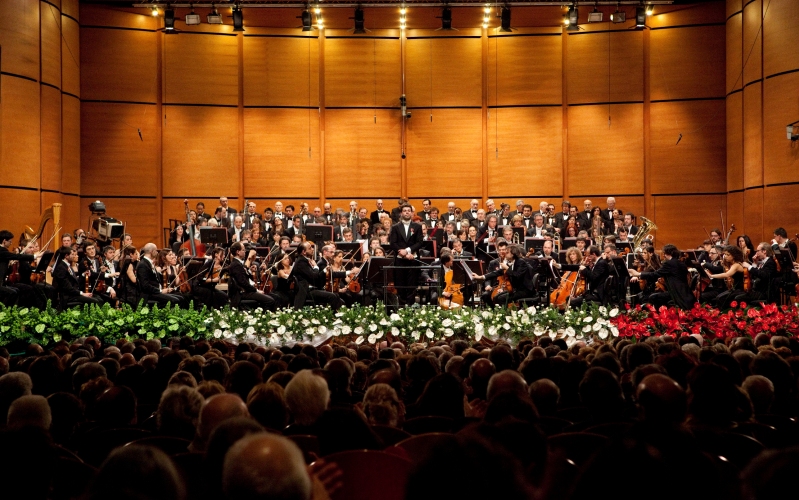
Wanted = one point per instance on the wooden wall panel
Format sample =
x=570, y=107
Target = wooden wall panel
x=71, y=8
x=19, y=37
x=114, y=161
x=680, y=218
x=733, y=6
x=452, y=76
x=525, y=151
x=735, y=209
x=687, y=62
x=71, y=213
x=780, y=47
x=281, y=152
x=699, y=160
x=138, y=215
x=685, y=14
x=445, y=155
x=362, y=157
x=70, y=56
x=752, y=41
x=20, y=122
x=780, y=201
x=281, y=71
x=753, y=212
x=51, y=44
x=602, y=159
x=363, y=72
x=51, y=138
x=734, y=56
x=201, y=69
x=735, y=163
x=525, y=70
x=70, y=145
x=200, y=153
x=26, y=201
x=98, y=15
x=781, y=107
x=588, y=76
x=120, y=66
x=752, y=136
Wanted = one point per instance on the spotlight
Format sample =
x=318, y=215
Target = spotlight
x=619, y=16
x=505, y=19
x=571, y=19
x=238, y=19
x=319, y=21
x=403, y=10
x=154, y=11
x=169, y=20
x=640, y=17
x=214, y=17
x=192, y=19
x=595, y=16
x=359, y=21
x=306, y=20
x=791, y=135
x=650, y=9
x=446, y=19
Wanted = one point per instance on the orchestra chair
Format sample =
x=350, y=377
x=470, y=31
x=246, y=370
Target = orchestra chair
x=578, y=447
x=389, y=435
x=418, y=447
x=369, y=474
x=423, y=425
x=537, y=298
x=610, y=294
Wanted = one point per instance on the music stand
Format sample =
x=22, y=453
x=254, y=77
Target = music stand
x=536, y=244
x=468, y=246
x=213, y=236
x=624, y=245
x=439, y=236
x=351, y=250
x=318, y=233
x=484, y=255
x=44, y=261
x=567, y=243
x=374, y=271
x=430, y=247
x=387, y=249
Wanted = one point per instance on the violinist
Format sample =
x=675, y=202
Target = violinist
x=491, y=272
x=745, y=244
x=645, y=262
x=241, y=283
x=210, y=275
x=42, y=291
x=65, y=277
x=175, y=276
x=311, y=280
x=339, y=284
x=11, y=293
x=109, y=270
x=282, y=293
x=595, y=268
x=713, y=264
x=675, y=274
x=90, y=271
x=127, y=274
x=734, y=274
x=518, y=271
x=177, y=237
x=763, y=272
x=150, y=279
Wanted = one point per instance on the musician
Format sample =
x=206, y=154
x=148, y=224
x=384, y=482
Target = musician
x=65, y=279
x=289, y=212
x=504, y=215
x=296, y=227
x=712, y=263
x=458, y=252
x=340, y=278
x=200, y=210
x=110, y=270
x=241, y=284
x=781, y=242
x=562, y=218
x=11, y=294
x=91, y=270
x=471, y=214
x=491, y=272
x=80, y=239
x=374, y=217
x=599, y=225
x=221, y=217
x=479, y=221
x=548, y=252
x=745, y=244
x=623, y=237
x=329, y=216
x=518, y=271
x=257, y=237
x=127, y=274
x=715, y=237
x=607, y=213
x=631, y=228
x=507, y=234
x=204, y=286
x=149, y=280
x=732, y=260
x=234, y=233
x=432, y=218
x=538, y=228
x=763, y=272
x=38, y=291
x=305, y=214
x=250, y=215
x=595, y=269
x=405, y=240
x=230, y=211
x=311, y=280
x=450, y=214
x=519, y=209
x=338, y=231
x=66, y=240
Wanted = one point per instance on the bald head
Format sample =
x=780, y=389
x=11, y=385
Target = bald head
x=217, y=409
x=265, y=466
x=507, y=381
x=661, y=399
x=29, y=411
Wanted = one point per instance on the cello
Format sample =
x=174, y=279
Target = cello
x=455, y=298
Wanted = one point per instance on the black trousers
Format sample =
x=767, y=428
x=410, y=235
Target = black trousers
x=264, y=301
x=327, y=298
x=8, y=296
x=79, y=300
x=405, y=280
x=209, y=297
x=167, y=298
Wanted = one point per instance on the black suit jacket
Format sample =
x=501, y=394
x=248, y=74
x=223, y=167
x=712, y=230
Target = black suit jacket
x=292, y=231
x=374, y=217
x=561, y=220
x=399, y=241
x=6, y=256
x=230, y=232
x=307, y=275
x=521, y=276
x=762, y=277
x=338, y=232
x=147, y=280
x=240, y=276
x=675, y=273
x=596, y=276
x=65, y=282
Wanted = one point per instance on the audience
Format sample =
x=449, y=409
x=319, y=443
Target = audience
x=665, y=404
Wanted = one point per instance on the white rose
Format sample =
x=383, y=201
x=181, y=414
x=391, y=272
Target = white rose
x=478, y=336
x=597, y=326
x=429, y=333
x=603, y=309
x=358, y=330
x=448, y=332
x=394, y=317
x=346, y=330
x=322, y=329
x=373, y=327
x=281, y=330
x=309, y=331
x=359, y=340
x=394, y=331
x=415, y=335
x=603, y=333
x=506, y=326
x=614, y=331
x=379, y=335
x=239, y=330
x=447, y=322
x=217, y=333
x=250, y=330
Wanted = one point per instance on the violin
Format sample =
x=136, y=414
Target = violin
x=183, y=279
x=455, y=298
x=13, y=273
x=196, y=249
x=747, y=281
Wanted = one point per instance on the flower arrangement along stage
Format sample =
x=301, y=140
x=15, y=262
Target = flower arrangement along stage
x=373, y=324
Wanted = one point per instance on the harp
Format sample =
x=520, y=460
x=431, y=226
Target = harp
x=51, y=214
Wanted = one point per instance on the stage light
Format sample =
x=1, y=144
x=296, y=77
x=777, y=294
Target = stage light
x=446, y=19
x=169, y=20
x=571, y=19
x=214, y=17
x=595, y=16
x=403, y=11
x=505, y=19
x=359, y=20
x=192, y=19
x=619, y=16
x=306, y=20
x=640, y=17
x=650, y=9
x=238, y=19
x=154, y=11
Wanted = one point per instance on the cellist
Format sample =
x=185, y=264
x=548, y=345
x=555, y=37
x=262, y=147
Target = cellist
x=517, y=270
x=493, y=266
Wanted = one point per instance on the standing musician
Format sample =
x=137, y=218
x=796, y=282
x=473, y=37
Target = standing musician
x=712, y=263
x=763, y=272
x=518, y=271
x=733, y=275
x=10, y=294
x=210, y=275
x=490, y=231
x=65, y=277
x=562, y=218
x=241, y=283
x=537, y=229
x=491, y=272
x=405, y=240
x=675, y=273
x=149, y=280
x=311, y=280
x=234, y=232
x=338, y=231
x=374, y=217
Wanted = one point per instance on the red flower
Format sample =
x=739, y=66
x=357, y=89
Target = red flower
x=743, y=305
x=734, y=303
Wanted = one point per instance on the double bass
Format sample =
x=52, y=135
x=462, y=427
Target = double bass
x=196, y=249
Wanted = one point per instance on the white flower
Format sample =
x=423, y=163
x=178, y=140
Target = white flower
x=486, y=315
x=603, y=333
x=586, y=328
x=217, y=333
x=281, y=330
x=394, y=317
x=315, y=321
x=379, y=335
x=478, y=335
x=290, y=322
x=274, y=322
x=588, y=319
x=250, y=330
x=372, y=338
x=359, y=340
x=383, y=322
x=305, y=322
x=358, y=330
x=538, y=330
x=239, y=330
x=309, y=331
x=373, y=327
x=423, y=324
x=570, y=331
x=223, y=324
x=614, y=312
x=506, y=326
x=252, y=321
x=227, y=334
x=337, y=322
x=597, y=326
x=346, y=330
x=508, y=319
x=415, y=335
x=322, y=329
x=603, y=309
x=447, y=322
x=394, y=331
x=429, y=333
x=336, y=332
x=614, y=331
x=448, y=332
x=492, y=331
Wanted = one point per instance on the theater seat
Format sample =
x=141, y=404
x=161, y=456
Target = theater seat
x=369, y=475
x=553, y=425
x=308, y=444
x=418, y=447
x=578, y=447
x=390, y=435
x=422, y=425
x=97, y=445
x=168, y=444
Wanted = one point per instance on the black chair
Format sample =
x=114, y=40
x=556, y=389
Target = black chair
x=766, y=434
x=612, y=430
x=738, y=449
x=390, y=435
x=610, y=294
x=578, y=447
x=536, y=298
x=168, y=444
x=244, y=304
x=787, y=427
x=424, y=425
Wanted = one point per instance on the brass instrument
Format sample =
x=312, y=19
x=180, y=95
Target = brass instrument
x=643, y=233
x=516, y=239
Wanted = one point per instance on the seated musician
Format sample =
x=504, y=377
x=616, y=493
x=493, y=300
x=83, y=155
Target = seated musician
x=167, y=264
x=65, y=279
x=491, y=272
x=732, y=260
x=241, y=283
x=204, y=287
x=675, y=273
x=90, y=269
x=341, y=277
x=458, y=252
x=712, y=263
x=177, y=236
x=234, y=232
x=645, y=262
x=12, y=293
x=595, y=269
x=537, y=229
x=763, y=272
x=149, y=280
x=41, y=290
x=490, y=232
x=128, y=287
x=295, y=229
x=548, y=252
x=518, y=271
x=573, y=257
x=311, y=280
x=338, y=231
x=623, y=236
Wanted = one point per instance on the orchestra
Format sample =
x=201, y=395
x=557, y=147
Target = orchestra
x=495, y=257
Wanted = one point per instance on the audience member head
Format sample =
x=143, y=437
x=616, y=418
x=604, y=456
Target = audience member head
x=137, y=472
x=307, y=397
x=267, y=405
x=216, y=410
x=29, y=411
